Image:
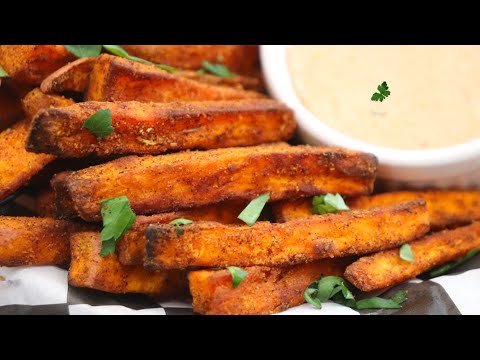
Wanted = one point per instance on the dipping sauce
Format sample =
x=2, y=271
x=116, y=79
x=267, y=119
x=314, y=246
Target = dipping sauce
x=434, y=99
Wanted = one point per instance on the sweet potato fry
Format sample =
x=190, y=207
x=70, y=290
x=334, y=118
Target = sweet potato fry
x=238, y=58
x=386, y=268
x=238, y=82
x=265, y=290
x=45, y=203
x=117, y=79
x=446, y=208
x=31, y=64
x=17, y=166
x=89, y=269
x=35, y=241
x=155, y=128
x=131, y=247
x=170, y=182
x=316, y=237
x=36, y=100
x=71, y=77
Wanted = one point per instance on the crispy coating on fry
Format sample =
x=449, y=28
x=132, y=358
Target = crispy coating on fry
x=35, y=241
x=386, y=268
x=316, y=237
x=45, y=203
x=288, y=210
x=89, y=269
x=31, y=64
x=170, y=182
x=72, y=77
x=131, y=247
x=117, y=79
x=446, y=208
x=265, y=290
x=10, y=108
x=36, y=100
x=155, y=128
x=63, y=208
x=238, y=58
x=17, y=166
x=238, y=82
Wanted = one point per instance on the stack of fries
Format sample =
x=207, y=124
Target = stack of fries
x=195, y=146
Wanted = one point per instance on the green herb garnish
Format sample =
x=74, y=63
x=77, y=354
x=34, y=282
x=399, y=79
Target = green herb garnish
x=382, y=93
x=82, y=51
x=168, y=68
x=118, y=217
x=379, y=303
x=94, y=50
x=178, y=223
x=406, y=253
x=329, y=203
x=334, y=288
x=238, y=275
x=100, y=123
x=216, y=69
x=446, y=268
x=3, y=73
x=252, y=212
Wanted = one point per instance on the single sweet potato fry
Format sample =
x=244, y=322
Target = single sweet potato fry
x=155, y=128
x=36, y=100
x=386, y=268
x=71, y=77
x=117, y=79
x=89, y=269
x=17, y=165
x=35, y=241
x=238, y=58
x=171, y=182
x=31, y=64
x=131, y=247
x=446, y=207
x=316, y=237
x=265, y=290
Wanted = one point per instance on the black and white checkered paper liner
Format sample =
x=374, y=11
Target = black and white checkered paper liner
x=44, y=290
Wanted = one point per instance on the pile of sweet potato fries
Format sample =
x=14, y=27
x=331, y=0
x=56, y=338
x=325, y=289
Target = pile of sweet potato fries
x=192, y=145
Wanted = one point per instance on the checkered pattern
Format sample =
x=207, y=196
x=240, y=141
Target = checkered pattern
x=45, y=290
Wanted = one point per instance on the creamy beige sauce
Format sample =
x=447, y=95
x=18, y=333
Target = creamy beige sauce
x=434, y=101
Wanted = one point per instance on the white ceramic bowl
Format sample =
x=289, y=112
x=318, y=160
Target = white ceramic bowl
x=449, y=167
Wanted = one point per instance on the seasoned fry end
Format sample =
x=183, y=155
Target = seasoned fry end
x=131, y=247
x=34, y=241
x=72, y=77
x=30, y=64
x=265, y=290
x=17, y=166
x=343, y=234
x=89, y=269
x=36, y=100
x=386, y=268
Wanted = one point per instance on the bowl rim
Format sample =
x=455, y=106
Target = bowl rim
x=278, y=82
